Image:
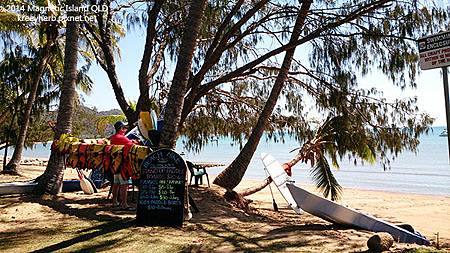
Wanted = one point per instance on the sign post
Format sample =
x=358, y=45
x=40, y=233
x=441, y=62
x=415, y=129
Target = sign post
x=447, y=106
x=434, y=52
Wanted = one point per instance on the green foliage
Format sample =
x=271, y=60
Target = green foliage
x=16, y=71
x=341, y=45
x=39, y=129
x=104, y=124
x=329, y=78
x=132, y=105
x=83, y=125
x=423, y=250
x=361, y=123
x=344, y=135
x=22, y=50
x=325, y=180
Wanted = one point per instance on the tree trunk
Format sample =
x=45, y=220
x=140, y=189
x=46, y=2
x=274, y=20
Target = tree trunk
x=232, y=175
x=12, y=167
x=117, y=87
x=215, y=51
x=177, y=91
x=11, y=123
x=108, y=63
x=51, y=180
x=143, y=103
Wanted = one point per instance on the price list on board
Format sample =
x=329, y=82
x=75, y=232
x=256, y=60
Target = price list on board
x=161, y=189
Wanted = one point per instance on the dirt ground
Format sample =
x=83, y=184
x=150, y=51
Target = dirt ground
x=78, y=222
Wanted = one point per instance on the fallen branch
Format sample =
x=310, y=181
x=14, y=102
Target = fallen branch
x=254, y=189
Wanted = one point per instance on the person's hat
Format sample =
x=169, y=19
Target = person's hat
x=119, y=124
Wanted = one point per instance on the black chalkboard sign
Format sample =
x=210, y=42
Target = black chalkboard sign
x=161, y=189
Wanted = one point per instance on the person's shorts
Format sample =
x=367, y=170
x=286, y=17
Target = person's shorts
x=119, y=180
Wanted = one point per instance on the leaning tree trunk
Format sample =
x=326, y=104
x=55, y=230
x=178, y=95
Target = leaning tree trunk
x=177, y=91
x=8, y=136
x=14, y=163
x=144, y=103
x=130, y=114
x=105, y=41
x=51, y=180
x=103, y=35
x=232, y=175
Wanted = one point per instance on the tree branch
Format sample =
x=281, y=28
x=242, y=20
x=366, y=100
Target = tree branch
x=254, y=189
x=144, y=100
x=355, y=14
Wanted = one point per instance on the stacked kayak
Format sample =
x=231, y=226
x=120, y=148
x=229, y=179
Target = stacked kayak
x=28, y=187
x=17, y=187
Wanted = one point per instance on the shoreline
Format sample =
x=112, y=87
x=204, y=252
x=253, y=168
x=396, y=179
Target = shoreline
x=311, y=185
x=42, y=162
x=426, y=172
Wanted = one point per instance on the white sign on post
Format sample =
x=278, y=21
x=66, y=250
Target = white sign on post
x=434, y=51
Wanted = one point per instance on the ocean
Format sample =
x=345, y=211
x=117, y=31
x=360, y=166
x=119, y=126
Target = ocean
x=424, y=172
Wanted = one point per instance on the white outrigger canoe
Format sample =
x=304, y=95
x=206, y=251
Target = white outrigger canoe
x=279, y=178
x=335, y=213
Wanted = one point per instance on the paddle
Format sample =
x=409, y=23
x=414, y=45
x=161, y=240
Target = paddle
x=85, y=185
x=274, y=204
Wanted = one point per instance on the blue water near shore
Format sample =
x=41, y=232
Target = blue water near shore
x=427, y=172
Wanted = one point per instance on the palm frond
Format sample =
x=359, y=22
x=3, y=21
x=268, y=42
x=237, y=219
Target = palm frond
x=325, y=180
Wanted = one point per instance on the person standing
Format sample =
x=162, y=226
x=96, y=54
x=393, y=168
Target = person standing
x=120, y=185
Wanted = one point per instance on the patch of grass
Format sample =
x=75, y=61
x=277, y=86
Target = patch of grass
x=423, y=251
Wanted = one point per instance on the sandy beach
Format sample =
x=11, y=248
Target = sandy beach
x=427, y=214
x=74, y=221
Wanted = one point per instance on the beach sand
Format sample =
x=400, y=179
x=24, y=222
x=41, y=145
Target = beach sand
x=427, y=214
x=74, y=221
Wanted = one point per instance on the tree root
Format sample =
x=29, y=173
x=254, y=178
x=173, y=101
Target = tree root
x=10, y=169
x=10, y=172
x=238, y=200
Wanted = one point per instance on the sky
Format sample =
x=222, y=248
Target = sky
x=429, y=91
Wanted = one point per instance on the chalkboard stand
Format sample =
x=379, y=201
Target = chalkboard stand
x=192, y=203
x=162, y=190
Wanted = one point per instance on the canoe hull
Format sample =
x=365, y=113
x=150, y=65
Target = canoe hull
x=331, y=211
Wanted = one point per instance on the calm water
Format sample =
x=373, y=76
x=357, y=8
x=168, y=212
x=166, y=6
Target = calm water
x=427, y=172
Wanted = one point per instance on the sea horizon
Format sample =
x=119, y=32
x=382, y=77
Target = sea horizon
x=426, y=172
